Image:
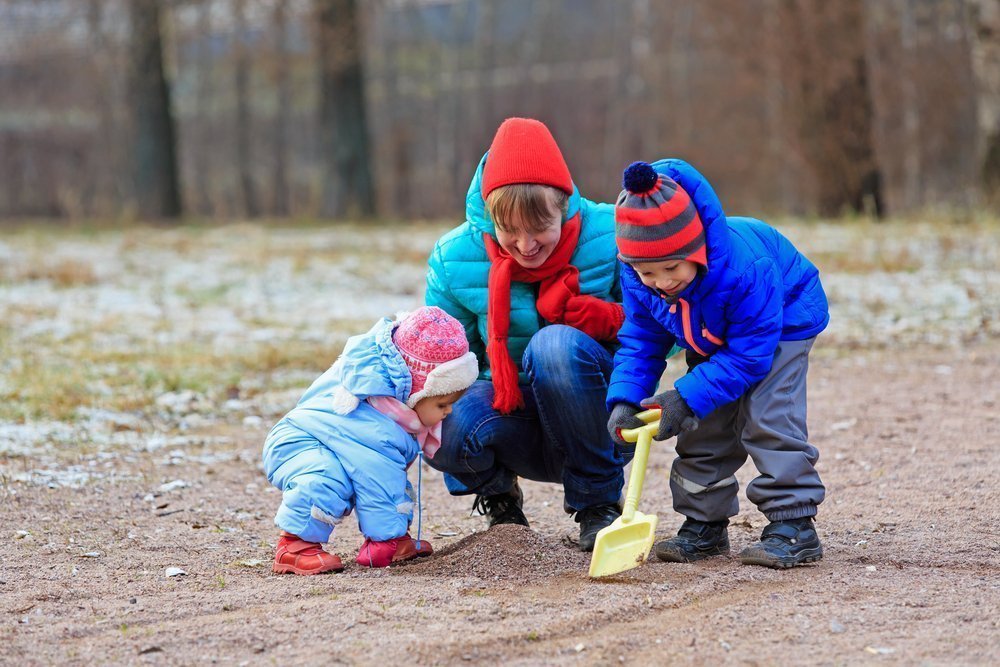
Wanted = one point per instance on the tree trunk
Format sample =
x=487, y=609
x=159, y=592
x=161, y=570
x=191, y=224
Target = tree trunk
x=834, y=104
x=243, y=153
x=202, y=146
x=986, y=52
x=991, y=169
x=106, y=165
x=913, y=178
x=343, y=126
x=284, y=92
x=154, y=145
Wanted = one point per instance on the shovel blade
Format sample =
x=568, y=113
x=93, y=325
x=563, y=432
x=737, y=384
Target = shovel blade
x=622, y=546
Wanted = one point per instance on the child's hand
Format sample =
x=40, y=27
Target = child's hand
x=623, y=416
x=676, y=416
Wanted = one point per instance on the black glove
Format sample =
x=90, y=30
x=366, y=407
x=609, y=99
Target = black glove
x=623, y=416
x=676, y=416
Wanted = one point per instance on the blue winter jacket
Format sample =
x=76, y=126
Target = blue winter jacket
x=458, y=271
x=757, y=290
x=372, y=451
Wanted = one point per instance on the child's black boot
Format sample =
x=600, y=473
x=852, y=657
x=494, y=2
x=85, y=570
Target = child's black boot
x=695, y=540
x=785, y=544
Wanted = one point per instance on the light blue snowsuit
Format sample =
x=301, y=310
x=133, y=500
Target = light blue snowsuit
x=327, y=463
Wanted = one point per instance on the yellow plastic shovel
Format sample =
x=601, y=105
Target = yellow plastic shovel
x=626, y=542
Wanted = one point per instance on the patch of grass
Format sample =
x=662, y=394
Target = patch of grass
x=44, y=378
x=62, y=273
x=43, y=388
x=205, y=296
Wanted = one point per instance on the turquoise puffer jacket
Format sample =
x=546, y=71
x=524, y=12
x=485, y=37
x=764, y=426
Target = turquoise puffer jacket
x=458, y=271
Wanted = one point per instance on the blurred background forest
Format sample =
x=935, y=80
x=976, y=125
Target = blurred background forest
x=355, y=109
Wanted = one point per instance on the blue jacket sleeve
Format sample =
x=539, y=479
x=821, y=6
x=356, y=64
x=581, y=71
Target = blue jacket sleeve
x=754, y=313
x=640, y=360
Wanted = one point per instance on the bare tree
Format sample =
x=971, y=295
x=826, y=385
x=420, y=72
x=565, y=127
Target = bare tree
x=107, y=164
x=244, y=156
x=986, y=26
x=202, y=147
x=154, y=145
x=833, y=103
x=343, y=126
x=282, y=82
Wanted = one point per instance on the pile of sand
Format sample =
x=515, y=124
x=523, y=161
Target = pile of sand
x=503, y=553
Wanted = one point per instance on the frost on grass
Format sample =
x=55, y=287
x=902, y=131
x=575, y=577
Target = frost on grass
x=137, y=341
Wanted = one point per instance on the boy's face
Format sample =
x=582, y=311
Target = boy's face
x=669, y=277
x=433, y=409
x=526, y=244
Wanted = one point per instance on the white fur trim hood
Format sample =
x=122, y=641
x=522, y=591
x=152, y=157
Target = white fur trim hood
x=451, y=376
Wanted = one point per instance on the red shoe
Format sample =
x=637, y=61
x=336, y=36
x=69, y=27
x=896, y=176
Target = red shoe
x=297, y=556
x=396, y=550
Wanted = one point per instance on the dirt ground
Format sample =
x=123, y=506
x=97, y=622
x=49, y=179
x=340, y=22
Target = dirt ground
x=909, y=452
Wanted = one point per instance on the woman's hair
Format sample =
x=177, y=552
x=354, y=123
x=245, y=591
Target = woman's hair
x=525, y=204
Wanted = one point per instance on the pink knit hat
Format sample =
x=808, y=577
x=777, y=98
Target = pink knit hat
x=434, y=347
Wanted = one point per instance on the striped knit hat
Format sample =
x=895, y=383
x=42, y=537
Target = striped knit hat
x=655, y=219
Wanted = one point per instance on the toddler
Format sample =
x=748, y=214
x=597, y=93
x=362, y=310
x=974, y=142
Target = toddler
x=348, y=442
x=747, y=306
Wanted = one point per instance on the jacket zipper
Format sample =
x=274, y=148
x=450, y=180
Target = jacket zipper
x=686, y=324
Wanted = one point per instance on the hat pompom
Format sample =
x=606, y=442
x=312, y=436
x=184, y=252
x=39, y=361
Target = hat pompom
x=639, y=178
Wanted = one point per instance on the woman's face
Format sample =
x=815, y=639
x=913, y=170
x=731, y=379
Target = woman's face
x=531, y=242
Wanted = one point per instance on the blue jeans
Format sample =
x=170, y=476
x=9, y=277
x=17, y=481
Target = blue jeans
x=560, y=435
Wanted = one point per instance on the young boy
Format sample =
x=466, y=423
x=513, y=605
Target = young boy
x=747, y=306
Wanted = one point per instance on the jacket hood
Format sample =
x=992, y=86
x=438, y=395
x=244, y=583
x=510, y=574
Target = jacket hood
x=369, y=366
x=475, y=205
x=709, y=209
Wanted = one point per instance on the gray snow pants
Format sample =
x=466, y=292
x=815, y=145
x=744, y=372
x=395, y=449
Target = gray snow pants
x=768, y=423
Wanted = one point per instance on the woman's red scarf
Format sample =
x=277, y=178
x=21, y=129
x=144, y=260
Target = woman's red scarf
x=559, y=302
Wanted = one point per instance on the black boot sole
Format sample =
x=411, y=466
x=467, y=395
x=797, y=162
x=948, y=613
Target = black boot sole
x=759, y=557
x=677, y=556
x=510, y=521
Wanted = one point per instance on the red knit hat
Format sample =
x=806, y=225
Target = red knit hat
x=656, y=220
x=434, y=347
x=524, y=151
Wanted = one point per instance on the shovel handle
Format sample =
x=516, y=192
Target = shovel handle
x=638, y=474
x=643, y=437
x=652, y=419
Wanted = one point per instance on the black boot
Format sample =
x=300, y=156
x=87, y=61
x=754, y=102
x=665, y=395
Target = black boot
x=503, y=507
x=785, y=544
x=695, y=540
x=592, y=519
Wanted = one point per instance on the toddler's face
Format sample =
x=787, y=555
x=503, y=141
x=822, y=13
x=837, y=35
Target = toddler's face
x=668, y=277
x=434, y=409
x=529, y=247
